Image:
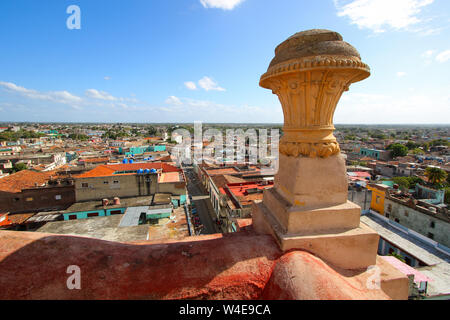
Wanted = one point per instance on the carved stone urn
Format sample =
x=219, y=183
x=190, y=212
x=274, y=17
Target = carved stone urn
x=309, y=73
x=308, y=208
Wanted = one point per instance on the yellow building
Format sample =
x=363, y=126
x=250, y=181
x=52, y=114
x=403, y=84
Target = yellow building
x=378, y=196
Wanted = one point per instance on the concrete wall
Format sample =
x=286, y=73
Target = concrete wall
x=418, y=221
x=85, y=214
x=359, y=197
x=124, y=186
x=33, y=200
x=377, y=200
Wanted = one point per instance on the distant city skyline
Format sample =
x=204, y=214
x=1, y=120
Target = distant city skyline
x=200, y=60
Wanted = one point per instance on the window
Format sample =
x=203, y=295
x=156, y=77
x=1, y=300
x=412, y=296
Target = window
x=378, y=200
x=389, y=207
x=430, y=235
x=116, y=182
x=92, y=214
x=113, y=212
x=29, y=199
x=406, y=214
x=58, y=197
x=432, y=225
x=387, y=215
x=73, y=217
x=85, y=185
x=397, y=220
x=105, y=182
x=16, y=199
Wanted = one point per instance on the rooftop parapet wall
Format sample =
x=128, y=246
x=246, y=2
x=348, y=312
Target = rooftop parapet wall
x=243, y=265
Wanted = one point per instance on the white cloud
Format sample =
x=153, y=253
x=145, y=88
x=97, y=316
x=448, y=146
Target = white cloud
x=190, y=85
x=102, y=95
x=55, y=96
x=172, y=100
x=378, y=15
x=443, y=56
x=107, y=78
x=401, y=74
x=209, y=84
x=186, y=109
x=428, y=54
x=221, y=4
x=92, y=98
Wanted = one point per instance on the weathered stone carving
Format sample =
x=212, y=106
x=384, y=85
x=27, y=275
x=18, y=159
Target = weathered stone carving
x=309, y=74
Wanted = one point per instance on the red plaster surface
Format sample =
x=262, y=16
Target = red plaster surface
x=243, y=265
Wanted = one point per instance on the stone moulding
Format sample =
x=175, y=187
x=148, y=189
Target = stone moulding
x=323, y=149
x=311, y=63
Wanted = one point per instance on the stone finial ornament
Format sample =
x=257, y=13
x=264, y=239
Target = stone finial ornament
x=309, y=73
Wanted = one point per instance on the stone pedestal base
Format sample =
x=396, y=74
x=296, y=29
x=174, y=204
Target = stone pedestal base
x=298, y=220
x=354, y=248
x=310, y=183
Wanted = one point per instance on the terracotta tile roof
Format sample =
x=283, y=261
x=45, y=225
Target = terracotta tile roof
x=24, y=179
x=222, y=180
x=110, y=169
x=166, y=158
x=13, y=219
x=93, y=160
x=170, y=177
x=221, y=171
x=240, y=191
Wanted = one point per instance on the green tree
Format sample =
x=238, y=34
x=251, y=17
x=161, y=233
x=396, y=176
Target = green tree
x=435, y=175
x=417, y=151
x=398, y=150
x=396, y=255
x=19, y=166
x=411, y=145
x=407, y=183
x=151, y=131
x=447, y=196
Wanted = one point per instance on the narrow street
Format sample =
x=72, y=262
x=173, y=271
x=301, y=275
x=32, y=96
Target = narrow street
x=202, y=203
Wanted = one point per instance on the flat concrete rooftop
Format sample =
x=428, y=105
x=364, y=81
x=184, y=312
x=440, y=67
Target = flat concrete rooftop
x=419, y=249
x=104, y=228
x=97, y=204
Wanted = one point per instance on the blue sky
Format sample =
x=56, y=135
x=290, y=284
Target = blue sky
x=188, y=60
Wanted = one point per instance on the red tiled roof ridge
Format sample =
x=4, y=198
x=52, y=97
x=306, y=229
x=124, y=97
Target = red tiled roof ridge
x=109, y=169
x=24, y=179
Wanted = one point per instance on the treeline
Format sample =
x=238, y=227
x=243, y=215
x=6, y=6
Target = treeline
x=9, y=135
x=78, y=136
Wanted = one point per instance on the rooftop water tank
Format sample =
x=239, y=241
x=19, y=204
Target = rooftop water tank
x=125, y=161
x=140, y=171
x=146, y=171
x=131, y=161
x=153, y=170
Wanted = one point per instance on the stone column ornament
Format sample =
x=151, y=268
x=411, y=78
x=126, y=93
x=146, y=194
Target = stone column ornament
x=308, y=208
x=309, y=73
